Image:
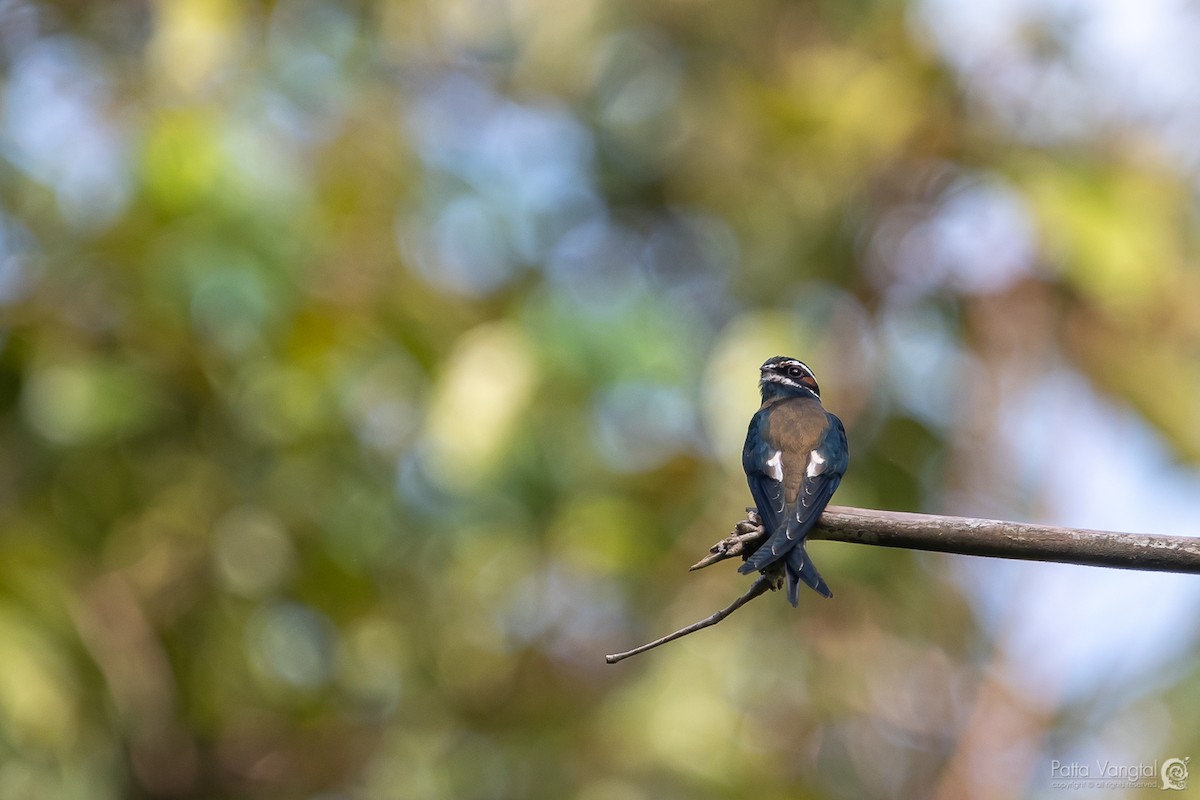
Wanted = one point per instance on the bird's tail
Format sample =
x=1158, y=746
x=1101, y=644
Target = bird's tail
x=801, y=568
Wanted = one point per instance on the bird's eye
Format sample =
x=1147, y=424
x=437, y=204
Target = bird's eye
x=794, y=372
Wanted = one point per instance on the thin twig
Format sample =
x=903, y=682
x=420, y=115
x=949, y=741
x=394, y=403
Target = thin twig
x=761, y=586
x=746, y=533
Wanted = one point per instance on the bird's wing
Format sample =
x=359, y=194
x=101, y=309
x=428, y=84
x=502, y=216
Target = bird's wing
x=822, y=474
x=768, y=493
x=763, y=465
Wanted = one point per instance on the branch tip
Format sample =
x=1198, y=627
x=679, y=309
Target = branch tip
x=759, y=587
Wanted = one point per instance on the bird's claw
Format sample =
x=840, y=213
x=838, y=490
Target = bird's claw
x=775, y=573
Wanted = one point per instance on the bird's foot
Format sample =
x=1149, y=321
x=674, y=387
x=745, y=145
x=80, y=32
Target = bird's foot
x=776, y=573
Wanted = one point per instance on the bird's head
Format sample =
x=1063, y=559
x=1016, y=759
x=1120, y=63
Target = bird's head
x=787, y=377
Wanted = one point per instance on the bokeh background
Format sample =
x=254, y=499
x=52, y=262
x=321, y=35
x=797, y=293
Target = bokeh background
x=369, y=370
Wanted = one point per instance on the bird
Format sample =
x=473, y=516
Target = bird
x=794, y=458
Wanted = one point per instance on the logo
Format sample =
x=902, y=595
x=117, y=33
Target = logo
x=1174, y=774
x=1108, y=774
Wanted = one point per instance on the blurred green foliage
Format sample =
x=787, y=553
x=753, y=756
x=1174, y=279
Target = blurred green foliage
x=369, y=370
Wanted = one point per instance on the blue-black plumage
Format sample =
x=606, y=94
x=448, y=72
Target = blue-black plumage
x=794, y=458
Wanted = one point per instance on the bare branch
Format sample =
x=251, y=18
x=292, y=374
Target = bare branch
x=942, y=534
x=982, y=537
x=998, y=539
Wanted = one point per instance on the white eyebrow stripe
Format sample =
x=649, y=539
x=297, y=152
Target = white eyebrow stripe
x=780, y=364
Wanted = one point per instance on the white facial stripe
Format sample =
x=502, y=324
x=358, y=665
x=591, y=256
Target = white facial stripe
x=790, y=382
x=775, y=466
x=816, y=464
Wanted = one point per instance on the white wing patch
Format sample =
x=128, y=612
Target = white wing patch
x=775, y=466
x=816, y=464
